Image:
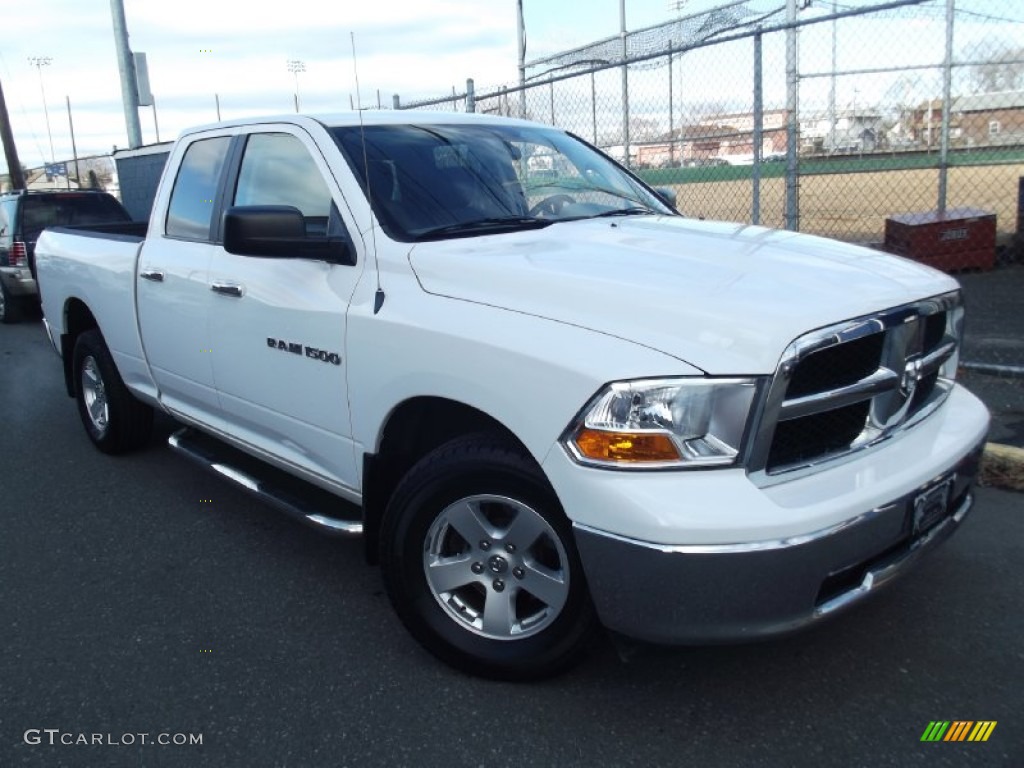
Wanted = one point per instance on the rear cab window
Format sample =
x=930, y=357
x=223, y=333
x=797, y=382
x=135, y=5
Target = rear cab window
x=190, y=212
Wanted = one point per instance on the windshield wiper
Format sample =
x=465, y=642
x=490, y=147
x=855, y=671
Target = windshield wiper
x=634, y=211
x=485, y=226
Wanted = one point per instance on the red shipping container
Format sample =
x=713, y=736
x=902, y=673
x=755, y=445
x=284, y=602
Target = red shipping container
x=961, y=238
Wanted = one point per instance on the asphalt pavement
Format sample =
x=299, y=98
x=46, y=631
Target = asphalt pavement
x=995, y=336
x=140, y=595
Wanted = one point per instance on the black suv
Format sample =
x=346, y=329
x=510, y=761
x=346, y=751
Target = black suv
x=23, y=215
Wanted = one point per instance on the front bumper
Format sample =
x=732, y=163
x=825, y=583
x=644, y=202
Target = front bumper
x=708, y=570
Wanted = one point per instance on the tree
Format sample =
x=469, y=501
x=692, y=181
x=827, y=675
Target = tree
x=1002, y=72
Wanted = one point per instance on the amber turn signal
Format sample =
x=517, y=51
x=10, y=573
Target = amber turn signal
x=625, y=447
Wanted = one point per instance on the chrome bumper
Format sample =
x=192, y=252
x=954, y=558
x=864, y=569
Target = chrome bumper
x=723, y=593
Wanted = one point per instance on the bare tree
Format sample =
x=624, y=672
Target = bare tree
x=1002, y=72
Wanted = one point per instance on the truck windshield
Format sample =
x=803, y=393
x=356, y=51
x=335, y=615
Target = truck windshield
x=429, y=182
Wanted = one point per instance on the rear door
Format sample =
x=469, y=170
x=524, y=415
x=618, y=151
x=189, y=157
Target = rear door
x=173, y=282
x=277, y=325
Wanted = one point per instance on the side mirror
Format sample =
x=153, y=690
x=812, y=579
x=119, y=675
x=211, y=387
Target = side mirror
x=667, y=195
x=278, y=231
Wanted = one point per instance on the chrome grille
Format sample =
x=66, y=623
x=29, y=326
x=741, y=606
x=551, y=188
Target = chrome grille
x=848, y=387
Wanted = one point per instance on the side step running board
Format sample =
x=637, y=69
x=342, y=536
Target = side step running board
x=303, y=501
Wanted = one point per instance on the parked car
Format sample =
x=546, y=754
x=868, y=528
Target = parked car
x=548, y=402
x=23, y=215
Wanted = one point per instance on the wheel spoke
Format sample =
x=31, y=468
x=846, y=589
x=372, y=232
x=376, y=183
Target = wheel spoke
x=97, y=409
x=525, y=529
x=466, y=518
x=547, y=586
x=499, y=613
x=446, y=574
x=89, y=370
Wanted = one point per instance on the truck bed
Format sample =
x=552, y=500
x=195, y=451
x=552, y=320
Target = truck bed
x=93, y=266
x=130, y=231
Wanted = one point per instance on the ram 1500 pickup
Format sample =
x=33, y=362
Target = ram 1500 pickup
x=545, y=399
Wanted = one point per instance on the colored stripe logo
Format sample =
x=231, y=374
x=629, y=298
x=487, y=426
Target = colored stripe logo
x=958, y=730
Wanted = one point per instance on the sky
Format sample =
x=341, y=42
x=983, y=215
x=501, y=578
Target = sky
x=239, y=50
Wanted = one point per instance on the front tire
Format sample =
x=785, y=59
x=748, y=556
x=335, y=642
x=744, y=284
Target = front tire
x=114, y=420
x=480, y=564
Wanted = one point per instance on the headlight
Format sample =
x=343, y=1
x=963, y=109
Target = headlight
x=662, y=423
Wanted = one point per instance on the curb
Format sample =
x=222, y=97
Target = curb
x=1002, y=466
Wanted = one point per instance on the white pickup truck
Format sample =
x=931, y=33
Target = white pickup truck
x=545, y=399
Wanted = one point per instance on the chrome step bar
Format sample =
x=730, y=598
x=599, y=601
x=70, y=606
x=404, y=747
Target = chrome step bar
x=224, y=461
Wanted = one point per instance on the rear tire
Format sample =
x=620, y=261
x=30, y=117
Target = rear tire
x=10, y=309
x=114, y=420
x=480, y=563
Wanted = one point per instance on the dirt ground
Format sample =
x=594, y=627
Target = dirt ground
x=854, y=206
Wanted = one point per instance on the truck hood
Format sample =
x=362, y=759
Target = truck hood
x=725, y=298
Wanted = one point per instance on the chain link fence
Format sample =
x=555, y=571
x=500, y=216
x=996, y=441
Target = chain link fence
x=898, y=125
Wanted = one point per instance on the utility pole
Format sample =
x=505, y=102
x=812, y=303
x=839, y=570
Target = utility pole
x=126, y=66
x=10, y=151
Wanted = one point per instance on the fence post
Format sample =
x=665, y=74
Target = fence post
x=792, y=92
x=625, y=83
x=671, y=143
x=755, y=205
x=396, y=102
x=470, y=95
x=521, y=33
x=593, y=104
x=947, y=78
x=551, y=90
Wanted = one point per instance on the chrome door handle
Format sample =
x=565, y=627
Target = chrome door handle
x=152, y=274
x=227, y=289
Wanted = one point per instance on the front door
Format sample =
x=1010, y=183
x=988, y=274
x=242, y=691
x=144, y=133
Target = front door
x=277, y=325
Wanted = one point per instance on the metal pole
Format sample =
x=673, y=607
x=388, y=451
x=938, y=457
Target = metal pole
x=396, y=101
x=832, y=89
x=593, y=105
x=295, y=66
x=755, y=206
x=671, y=101
x=470, y=95
x=792, y=91
x=625, y=82
x=156, y=125
x=551, y=92
x=39, y=62
x=216, y=98
x=74, y=149
x=10, y=150
x=947, y=79
x=521, y=28
x=129, y=88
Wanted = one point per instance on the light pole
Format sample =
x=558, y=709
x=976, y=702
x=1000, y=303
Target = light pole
x=39, y=62
x=295, y=66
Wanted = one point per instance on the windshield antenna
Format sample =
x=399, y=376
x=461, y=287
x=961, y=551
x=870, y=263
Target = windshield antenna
x=378, y=297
